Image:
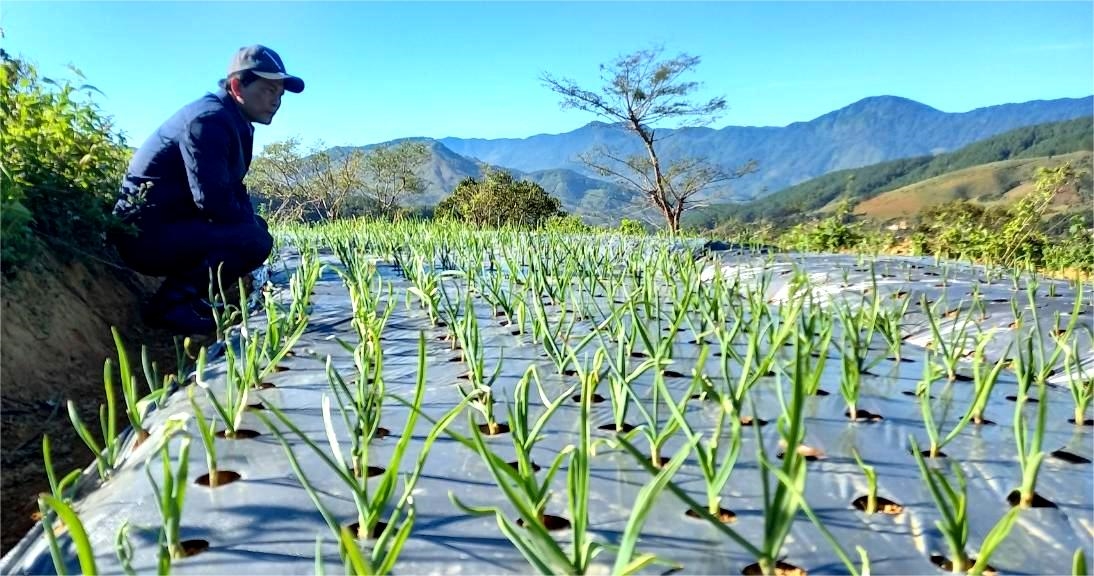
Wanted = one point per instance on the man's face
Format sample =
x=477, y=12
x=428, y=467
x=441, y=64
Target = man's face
x=260, y=99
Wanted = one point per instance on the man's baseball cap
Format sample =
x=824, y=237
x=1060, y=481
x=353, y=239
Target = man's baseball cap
x=265, y=63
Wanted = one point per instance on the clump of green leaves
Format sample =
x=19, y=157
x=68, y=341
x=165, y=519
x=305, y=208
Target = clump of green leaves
x=62, y=164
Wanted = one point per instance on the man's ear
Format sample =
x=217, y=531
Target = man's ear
x=235, y=87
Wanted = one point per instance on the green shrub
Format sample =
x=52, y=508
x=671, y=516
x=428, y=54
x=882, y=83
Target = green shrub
x=499, y=200
x=566, y=224
x=62, y=166
x=629, y=227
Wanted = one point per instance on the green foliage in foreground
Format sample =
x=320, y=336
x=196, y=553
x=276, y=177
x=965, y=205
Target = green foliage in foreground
x=62, y=165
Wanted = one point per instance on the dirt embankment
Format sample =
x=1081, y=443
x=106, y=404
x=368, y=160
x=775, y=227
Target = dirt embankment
x=54, y=338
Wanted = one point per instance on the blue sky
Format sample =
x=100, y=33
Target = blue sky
x=376, y=71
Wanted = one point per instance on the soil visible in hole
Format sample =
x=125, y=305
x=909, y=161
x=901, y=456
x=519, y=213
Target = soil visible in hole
x=266, y=386
x=914, y=393
x=611, y=427
x=376, y=530
x=515, y=332
x=697, y=342
x=501, y=428
x=983, y=422
x=821, y=392
x=811, y=454
x=550, y=522
x=725, y=516
x=781, y=569
x=499, y=314
x=1070, y=457
x=1014, y=398
x=750, y=421
x=639, y=354
x=381, y=433
x=464, y=376
x=927, y=454
x=1038, y=501
x=862, y=415
x=884, y=505
x=1087, y=422
x=962, y=378
x=280, y=368
x=241, y=434
x=569, y=372
x=516, y=466
x=503, y=323
x=945, y=564
x=193, y=547
x=223, y=477
x=456, y=359
x=673, y=374
x=256, y=406
x=597, y=398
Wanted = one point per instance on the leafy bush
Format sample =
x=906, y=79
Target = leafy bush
x=498, y=200
x=566, y=224
x=1019, y=235
x=629, y=227
x=832, y=234
x=62, y=166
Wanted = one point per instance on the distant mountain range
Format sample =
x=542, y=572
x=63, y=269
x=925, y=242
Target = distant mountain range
x=993, y=170
x=870, y=131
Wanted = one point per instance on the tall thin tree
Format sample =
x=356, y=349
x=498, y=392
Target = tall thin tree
x=641, y=90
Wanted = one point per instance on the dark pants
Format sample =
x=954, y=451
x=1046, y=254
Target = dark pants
x=187, y=252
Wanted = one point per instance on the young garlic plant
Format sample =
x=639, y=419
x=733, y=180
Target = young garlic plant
x=718, y=454
x=171, y=496
x=1079, y=382
x=952, y=506
x=984, y=380
x=371, y=504
x=1030, y=455
x=479, y=393
x=950, y=347
x=535, y=542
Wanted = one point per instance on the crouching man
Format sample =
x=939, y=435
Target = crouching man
x=184, y=193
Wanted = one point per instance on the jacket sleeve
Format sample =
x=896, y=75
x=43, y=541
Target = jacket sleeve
x=205, y=149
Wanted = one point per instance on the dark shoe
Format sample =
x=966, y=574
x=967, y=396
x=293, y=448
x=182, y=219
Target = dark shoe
x=186, y=318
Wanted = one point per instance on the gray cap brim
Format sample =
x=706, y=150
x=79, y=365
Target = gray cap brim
x=292, y=83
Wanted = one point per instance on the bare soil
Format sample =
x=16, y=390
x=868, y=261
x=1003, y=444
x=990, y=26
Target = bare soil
x=54, y=339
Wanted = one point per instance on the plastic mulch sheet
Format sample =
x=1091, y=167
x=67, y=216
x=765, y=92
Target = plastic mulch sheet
x=266, y=522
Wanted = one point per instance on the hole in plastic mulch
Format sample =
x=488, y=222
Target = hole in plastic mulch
x=240, y=434
x=222, y=477
x=781, y=569
x=499, y=428
x=516, y=466
x=193, y=547
x=612, y=427
x=376, y=530
x=725, y=516
x=884, y=505
x=1014, y=498
x=1070, y=457
x=551, y=522
x=862, y=415
x=945, y=564
x=597, y=398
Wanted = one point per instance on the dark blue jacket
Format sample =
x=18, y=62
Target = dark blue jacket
x=195, y=163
